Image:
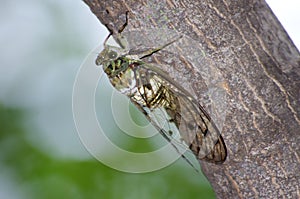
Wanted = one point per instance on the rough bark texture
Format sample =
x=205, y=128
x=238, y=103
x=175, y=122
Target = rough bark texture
x=260, y=68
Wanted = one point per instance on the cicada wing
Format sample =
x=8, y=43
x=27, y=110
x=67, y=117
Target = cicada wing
x=160, y=119
x=194, y=124
x=199, y=131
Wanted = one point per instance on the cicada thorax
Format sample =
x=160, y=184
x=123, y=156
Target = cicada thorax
x=116, y=67
x=150, y=92
x=121, y=75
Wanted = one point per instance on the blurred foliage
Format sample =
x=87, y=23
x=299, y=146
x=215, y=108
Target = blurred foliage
x=38, y=175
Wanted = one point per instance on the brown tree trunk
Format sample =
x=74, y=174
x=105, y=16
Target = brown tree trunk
x=242, y=42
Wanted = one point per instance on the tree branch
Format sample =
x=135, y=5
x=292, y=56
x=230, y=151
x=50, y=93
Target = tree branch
x=242, y=45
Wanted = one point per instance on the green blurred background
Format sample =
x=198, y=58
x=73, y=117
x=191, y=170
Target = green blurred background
x=43, y=44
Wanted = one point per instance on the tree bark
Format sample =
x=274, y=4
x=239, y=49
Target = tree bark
x=244, y=43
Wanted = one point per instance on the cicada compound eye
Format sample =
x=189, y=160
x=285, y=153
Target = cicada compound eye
x=112, y=55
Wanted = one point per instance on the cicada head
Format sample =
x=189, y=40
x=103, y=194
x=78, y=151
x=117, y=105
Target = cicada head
x=108, y=55
x=111, y=59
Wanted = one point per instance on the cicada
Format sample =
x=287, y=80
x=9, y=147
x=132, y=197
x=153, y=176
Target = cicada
x=166, y=104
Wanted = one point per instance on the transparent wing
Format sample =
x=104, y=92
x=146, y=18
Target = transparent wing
x=160, y=120
x=175, y=113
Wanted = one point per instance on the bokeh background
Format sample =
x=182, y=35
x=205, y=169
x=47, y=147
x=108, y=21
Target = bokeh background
x=43, y=44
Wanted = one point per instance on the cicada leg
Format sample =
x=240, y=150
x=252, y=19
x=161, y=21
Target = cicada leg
x=155, y=50
x=119, y=38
